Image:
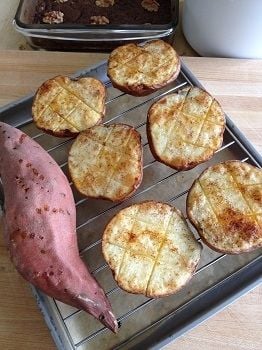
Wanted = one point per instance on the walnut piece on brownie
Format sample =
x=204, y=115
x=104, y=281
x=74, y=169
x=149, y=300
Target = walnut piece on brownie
x=150, y=5
x=105, y=3
x=61, y=1
x=52, y=17
x=99, y=20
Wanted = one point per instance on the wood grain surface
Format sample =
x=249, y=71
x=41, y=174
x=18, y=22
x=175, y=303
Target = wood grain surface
x=237, y=84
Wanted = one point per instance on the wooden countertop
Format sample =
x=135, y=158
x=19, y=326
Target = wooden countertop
x=237, y=84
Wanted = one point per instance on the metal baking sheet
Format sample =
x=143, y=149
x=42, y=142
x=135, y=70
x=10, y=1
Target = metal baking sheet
x=146, y=323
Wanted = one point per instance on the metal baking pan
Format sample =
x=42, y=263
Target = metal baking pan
x=89, y=37
x=146, y=323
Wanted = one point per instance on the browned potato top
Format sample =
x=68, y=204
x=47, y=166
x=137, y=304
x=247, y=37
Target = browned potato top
x=150, y=249
x=64, y=107
x=185, y=128
x=225, y=205
x=106, y=162
x=140, y=70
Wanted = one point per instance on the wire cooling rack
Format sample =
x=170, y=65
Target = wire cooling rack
x=145, y=322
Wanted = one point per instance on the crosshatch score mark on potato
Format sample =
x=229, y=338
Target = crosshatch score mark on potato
x=106, y=162
x=225, y=205
x=185, y=128
x=150, y=249
x=65, y=107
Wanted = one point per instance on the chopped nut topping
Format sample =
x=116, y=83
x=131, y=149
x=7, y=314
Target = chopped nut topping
x=61, y=1
x=99, y=20
x=150, y=5
x=105, y=3
x=53, y=17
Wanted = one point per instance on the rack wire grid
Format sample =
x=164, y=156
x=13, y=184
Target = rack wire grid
x=137, y=314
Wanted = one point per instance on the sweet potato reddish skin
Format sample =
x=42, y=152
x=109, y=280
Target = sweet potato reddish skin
x=40, y=226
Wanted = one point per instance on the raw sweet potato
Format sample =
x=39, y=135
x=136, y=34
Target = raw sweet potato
x=40, y=226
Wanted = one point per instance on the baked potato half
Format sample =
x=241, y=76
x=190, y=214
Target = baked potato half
x=225, y=206
x=185, y=129
x=141, y=70
x=150, y=249
x=106, y=162
x=64, y=107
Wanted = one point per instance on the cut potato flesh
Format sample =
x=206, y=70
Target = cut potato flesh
x=185, y=128
x=150, y=249
x=139, y=70
x=64, y=107
x=225, y=205
x=106, y=162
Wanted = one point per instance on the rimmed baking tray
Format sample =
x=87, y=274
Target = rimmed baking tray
x=146, y=323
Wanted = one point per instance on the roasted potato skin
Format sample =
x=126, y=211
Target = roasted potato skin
x=143, y=89
x=40, y=226
x=62, y=134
